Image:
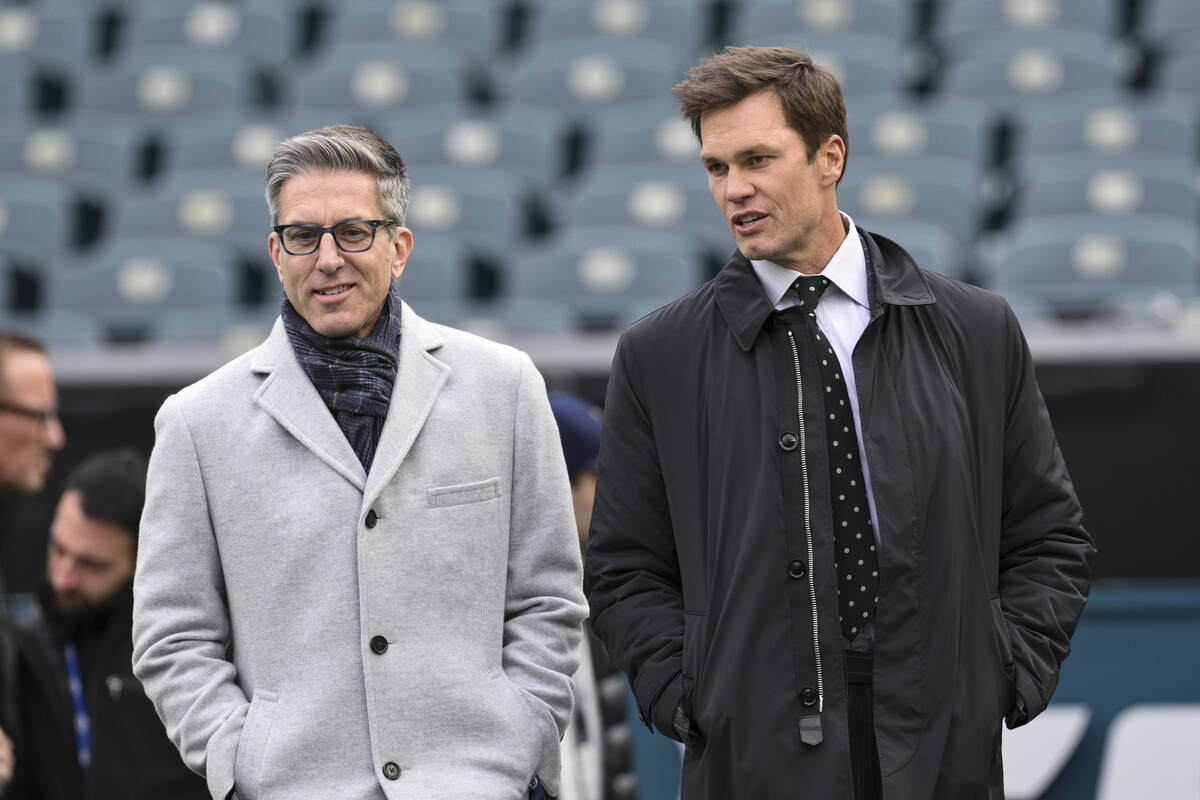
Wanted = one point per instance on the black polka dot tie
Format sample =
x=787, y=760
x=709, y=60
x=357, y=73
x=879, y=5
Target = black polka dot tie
x=854, y=541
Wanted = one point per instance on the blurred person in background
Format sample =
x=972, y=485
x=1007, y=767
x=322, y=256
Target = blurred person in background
x=598, y=746
x=834, y=543
x=30, y=435
x=357, y=575
x=87, y=731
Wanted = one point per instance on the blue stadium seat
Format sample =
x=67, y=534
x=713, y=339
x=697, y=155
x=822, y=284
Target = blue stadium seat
x=680, y=24
x=863, y=63
x=474, y=27
x=530, y=143
x=131, y=283
x=36, y=219
x=1142, y=183
x=231, y=141
x=654, y=196
x=501, y=320
x=930, y=189
x=755, y=20
x=1095, y=262
x=930, y=245
x=16, y=87
x=895, y=127
x=1156, y=124
x=650, y=130
x=483, y=206
x=43, y=30
x=205, y=204
x=153, y=84
x=55, y=328
x=605, y=274
x=369, y=83
x=1181, y=74
x=437, y=271
x=95, y=151
x=974, y=18
x=263, y=32
x=585, y=78
x=1170, y=24
x=1008, y=70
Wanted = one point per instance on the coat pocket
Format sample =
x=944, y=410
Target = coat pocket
x=463, y=493
x=252, y=745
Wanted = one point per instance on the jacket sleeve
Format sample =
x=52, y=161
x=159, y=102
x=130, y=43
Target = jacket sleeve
x=181, y=629
x=544, y=605
x=1045, y=552
x=632, y=573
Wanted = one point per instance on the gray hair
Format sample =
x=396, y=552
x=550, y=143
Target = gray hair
x=341, y=147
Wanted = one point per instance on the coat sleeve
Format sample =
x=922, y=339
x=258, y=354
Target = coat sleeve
x=1045, y=552
x=544, y=605
x=181, y=629
x=632, y=573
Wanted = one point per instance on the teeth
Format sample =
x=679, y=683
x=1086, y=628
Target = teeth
x=749, y=219
x=334, y=290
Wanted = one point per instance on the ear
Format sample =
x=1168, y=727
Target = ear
x=402, y=245
x=833, y=159
x=276, y=252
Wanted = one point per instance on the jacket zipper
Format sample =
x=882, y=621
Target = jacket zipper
x=812, y=588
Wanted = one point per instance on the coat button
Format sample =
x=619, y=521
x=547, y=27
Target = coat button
x=379, y=645
x=788, y=441
x=808, y=696
x=372, y=518
x=391, y=770
x=796, y=569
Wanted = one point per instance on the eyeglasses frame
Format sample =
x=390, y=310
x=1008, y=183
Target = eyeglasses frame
x=320, y=231
x=42, y=416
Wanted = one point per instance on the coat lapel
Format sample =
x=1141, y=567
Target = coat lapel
x=419, y=380
x=289, y=396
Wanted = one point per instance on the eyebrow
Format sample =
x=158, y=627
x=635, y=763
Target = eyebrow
x=745, y=152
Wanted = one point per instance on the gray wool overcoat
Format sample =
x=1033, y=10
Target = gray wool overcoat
x=309, y=630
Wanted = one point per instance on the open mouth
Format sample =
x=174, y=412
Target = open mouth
x=748, y=221
x=334, y=291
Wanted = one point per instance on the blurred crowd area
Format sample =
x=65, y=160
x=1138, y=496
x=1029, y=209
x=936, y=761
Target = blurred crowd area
x=1046, y=149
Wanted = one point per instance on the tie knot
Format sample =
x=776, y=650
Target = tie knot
x=809, y=289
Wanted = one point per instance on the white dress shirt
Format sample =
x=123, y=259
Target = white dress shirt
x=842, y=316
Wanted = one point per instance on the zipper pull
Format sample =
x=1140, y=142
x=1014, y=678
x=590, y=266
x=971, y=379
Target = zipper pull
x=810, y=730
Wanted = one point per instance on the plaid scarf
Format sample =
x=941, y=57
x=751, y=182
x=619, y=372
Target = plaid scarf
x=353, y=376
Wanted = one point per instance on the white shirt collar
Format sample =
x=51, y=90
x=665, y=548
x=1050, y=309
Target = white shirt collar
x=847, y=270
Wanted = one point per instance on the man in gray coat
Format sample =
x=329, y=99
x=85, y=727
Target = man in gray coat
x=358, y=575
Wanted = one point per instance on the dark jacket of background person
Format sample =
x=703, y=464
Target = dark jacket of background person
x=699, y=584
x=132, y=758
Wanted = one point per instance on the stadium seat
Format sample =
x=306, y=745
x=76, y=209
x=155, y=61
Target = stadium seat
x=1095, y=263
x=372, y=82
x=680, y=24
x=37, y=221
x=974, y=18
x=232, y=141
x=650, y=130
x=37, y=31
x=16, y=87
x=1008, y=69
x=931, y=246
x=1181, y=74
x=437, y=271
x=131, y=283
x=655, y=196
x=1142, y=183
x=484, y=207
x=474, y=27
x=935, y=190
x=604, y=274
x=530, y=143
x=263, y=32
x=888, y=126
x=755, y=20
x=1161, y=125
x=501, y=320
x=55, y=328
x=97, y=151
x=863, y=63
x=1170, y=24
x=152, y=84
x=213, y=204
x=584, y=78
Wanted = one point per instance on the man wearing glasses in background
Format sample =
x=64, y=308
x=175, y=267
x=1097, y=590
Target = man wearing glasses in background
x=30, y=435
x=358, y=575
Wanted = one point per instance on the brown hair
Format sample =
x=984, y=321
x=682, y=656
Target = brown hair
x=810, y=95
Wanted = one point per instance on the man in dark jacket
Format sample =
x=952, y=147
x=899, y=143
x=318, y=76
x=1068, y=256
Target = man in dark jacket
x=87, y=731
x=834, y=541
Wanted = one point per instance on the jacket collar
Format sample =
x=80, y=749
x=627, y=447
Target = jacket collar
x=289, y=396
x=892, y=279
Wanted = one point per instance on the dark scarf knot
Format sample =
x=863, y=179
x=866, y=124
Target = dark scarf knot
x=353, y=376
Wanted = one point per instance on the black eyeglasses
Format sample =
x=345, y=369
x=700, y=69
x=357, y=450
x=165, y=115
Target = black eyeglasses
x=351, y=236
x=42, y=416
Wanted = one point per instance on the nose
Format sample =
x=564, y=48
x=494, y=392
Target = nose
x=55, y=435
x=329, y=256
x=62, y=574
x=737, y=186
